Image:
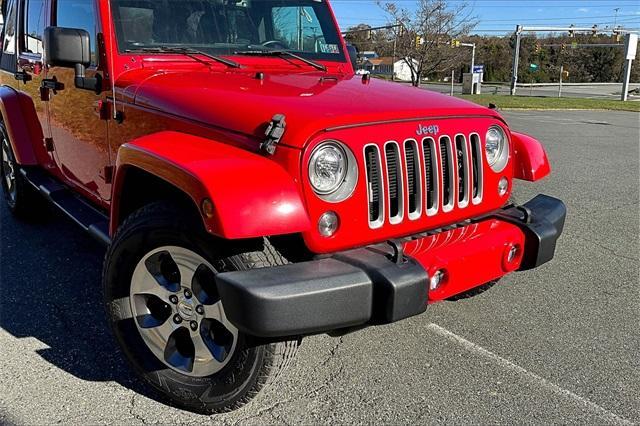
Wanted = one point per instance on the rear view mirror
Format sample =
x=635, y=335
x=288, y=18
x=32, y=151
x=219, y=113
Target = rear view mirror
x=67, y=47
x=71, y=48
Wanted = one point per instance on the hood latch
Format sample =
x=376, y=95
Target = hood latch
x=274, y=133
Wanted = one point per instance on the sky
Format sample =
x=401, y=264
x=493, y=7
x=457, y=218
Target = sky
x=498, y=17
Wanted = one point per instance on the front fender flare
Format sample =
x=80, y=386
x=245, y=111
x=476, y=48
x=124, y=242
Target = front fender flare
x=252, y=196
x=531, y=162
x=23, y=126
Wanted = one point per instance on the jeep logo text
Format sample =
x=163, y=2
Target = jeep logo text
x=427, y=130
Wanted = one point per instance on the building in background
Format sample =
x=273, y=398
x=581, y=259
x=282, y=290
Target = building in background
x=385, y=66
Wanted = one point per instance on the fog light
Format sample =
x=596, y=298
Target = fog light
x=328, y=224
x=503, y=186
x=436, y=280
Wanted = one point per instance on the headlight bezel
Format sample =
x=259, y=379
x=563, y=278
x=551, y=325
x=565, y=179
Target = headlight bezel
x=502, y=159
x=347, y=185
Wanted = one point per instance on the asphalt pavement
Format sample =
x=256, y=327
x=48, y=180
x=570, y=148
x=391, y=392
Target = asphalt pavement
x=593, y=91
x=557, y=345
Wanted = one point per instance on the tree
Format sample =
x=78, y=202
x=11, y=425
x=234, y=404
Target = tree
x=424, y=40
x=366, y=39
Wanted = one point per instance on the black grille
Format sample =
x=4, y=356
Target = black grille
x=398, y=187
x=413, y=176
x=429, y=174
x=461, y=148
x=446, y=172
x=395, y=183
x=475, y=163
x=373, y=178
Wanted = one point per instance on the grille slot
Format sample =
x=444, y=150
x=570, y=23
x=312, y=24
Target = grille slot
x=414, y=182
x=448, y=172
x=394, y=180
x=431, y=174
x=374, y=186
x=462, y=161
x=476, y=172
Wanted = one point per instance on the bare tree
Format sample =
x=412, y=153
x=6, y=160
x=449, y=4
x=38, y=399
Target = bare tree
x=425, y=34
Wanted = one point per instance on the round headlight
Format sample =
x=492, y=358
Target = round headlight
x=333, y=171
x=496, y=149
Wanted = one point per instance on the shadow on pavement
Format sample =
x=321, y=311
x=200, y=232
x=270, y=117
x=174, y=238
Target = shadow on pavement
x=50, y=290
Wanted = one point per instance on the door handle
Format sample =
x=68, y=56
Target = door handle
x=52, y=84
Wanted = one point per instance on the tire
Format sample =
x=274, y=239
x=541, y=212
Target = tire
x=175, y=372
x=21, y=198
x=474, y=291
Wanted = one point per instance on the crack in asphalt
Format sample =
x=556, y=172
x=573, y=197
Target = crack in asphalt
x=607, y=249
x=132, y=406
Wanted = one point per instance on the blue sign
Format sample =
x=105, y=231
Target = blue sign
x=478, y=68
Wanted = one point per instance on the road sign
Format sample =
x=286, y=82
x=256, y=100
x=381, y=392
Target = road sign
x=631, y=46
x=478, y=69
x=533, y=67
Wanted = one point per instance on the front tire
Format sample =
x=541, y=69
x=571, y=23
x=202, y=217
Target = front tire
x=166, y=314
x=22, y=199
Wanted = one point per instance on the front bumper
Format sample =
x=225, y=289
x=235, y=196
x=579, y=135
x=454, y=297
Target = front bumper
x=389, y=282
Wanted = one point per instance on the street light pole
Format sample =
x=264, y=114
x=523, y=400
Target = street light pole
x=516, y=61
x=473, y=57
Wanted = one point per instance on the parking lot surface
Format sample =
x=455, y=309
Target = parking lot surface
x=559, y=344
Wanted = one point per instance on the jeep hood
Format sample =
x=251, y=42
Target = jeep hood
x=312, y=102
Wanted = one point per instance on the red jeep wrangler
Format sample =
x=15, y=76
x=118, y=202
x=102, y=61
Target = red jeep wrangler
x=227, y=155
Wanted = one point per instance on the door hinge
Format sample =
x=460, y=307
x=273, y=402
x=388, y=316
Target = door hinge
x=274, y=133
x=108, y=174
x=49, y=145
x=22, y=76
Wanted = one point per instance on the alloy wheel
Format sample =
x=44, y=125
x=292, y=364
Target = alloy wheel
x=178, y=311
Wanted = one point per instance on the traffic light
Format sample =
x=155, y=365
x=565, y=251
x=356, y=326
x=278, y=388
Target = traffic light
x=455, y=43
x=563, y=46
x=594, y=30
x=419, y=41
x=538, y=48
x=572, y=33
x=565, y=74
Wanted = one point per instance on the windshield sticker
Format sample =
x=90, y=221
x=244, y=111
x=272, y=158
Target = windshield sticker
x=329, y=48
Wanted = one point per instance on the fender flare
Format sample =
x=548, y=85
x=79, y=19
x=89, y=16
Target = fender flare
x=252, y=196
x=22, y=124
x=531, y=162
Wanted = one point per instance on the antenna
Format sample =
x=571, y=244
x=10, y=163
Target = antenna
x=112, y=66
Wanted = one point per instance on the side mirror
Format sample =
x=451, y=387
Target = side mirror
x=353, y=55
x=71, y=48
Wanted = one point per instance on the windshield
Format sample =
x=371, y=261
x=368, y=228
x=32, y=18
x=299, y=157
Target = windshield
x=228, y=27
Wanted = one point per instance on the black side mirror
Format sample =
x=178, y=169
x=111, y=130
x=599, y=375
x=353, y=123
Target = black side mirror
x=71, y=48
x=353, y=55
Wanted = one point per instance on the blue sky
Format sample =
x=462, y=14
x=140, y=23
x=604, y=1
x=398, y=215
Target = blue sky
x=498, y=17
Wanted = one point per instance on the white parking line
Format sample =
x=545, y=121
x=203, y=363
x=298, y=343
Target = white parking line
x=532, y=377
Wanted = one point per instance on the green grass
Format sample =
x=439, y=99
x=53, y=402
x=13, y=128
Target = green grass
x=528, y=102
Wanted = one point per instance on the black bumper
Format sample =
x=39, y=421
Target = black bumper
x=364, y=286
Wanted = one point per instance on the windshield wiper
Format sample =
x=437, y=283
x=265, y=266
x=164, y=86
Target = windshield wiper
x=185, y=51
x=280, y=53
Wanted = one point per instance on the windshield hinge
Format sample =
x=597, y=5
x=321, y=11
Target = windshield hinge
x=274, y=133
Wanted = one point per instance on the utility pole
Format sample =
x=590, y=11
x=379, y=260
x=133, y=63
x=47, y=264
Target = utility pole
x=453, y=75
x=560, y=85
x=516, y=61
x=615, y=21
x=396, y=31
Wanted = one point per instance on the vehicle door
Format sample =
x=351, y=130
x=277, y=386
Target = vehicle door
x=78, y=133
